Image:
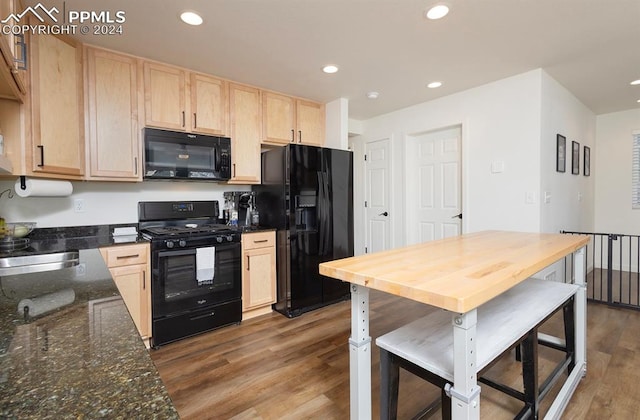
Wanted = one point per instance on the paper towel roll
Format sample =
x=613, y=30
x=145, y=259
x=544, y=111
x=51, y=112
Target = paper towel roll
x=44, y=188
x=47, y=303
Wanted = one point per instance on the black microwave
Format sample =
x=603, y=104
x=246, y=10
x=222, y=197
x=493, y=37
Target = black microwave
x=186, y=156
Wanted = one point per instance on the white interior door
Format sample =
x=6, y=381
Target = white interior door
x=377, y=195
x=434, y=209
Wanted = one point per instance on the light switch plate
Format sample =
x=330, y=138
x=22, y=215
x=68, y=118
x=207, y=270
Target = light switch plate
x=497, y=166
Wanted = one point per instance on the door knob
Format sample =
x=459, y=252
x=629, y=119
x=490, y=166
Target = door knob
x=384, y=214
x=458, y=216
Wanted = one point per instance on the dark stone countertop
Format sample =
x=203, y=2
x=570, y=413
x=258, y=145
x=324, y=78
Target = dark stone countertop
x=82, y=356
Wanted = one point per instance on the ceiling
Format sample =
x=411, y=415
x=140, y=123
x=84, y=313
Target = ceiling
x=589, y=46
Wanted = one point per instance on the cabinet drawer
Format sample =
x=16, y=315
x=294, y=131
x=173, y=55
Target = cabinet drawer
x=258, y=240
x=125, y=255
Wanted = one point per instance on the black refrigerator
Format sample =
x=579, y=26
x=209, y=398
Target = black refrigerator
x=307, y=196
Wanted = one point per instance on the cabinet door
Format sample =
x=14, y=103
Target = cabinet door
x=114, y=137
x=244, y=110
x=310, y=123
x=209, y=112
x=57, y=106
x=258, y=281
x=164, y=96
x=12, y=47
x=133, y=284
x=278, y=113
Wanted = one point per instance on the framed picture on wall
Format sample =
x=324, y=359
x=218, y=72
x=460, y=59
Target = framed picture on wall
x=561, y=152
x=587, y=161
x=575, y=158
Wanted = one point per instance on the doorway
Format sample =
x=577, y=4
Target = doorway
x=434, y=185
x=377, y=174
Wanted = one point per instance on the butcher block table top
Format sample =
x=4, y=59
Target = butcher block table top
x=459, y=273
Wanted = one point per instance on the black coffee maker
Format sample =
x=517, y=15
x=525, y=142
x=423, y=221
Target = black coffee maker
x=242, y=202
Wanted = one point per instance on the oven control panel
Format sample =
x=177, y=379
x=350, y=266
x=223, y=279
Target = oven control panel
x=194, y=242
x=182, y=207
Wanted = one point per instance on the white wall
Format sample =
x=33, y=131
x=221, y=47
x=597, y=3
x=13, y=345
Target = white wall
x=337, y=124
x=500, y=122
x=613, y=212
x=105, y=202
x=572, y=197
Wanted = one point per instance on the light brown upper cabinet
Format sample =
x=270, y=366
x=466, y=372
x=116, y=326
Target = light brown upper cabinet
x=57, y=123
x=278, y=118
x=209, y=113
x=114, y=146
x=310, y=122
x=176, y=99
x=289, y=120
x=13, y=76
x=244, y=112
x=165, y=91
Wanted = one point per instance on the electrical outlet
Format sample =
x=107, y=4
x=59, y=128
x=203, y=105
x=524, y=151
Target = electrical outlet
x=530, y=197
x=81, y=269
x=78, y=205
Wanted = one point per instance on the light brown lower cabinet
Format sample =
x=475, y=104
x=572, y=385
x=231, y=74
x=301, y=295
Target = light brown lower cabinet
x=130, y=268
x=258, y=273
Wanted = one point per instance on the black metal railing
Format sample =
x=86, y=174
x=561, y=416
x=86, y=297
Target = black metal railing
x=613, y=268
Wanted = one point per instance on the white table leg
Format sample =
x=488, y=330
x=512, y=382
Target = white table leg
x=465, y=393
x=580, y=370
x=360, y=354
x=581, y=308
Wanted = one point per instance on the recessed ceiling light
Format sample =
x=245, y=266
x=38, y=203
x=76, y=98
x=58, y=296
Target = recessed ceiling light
x=636, y=82
x=330, y=68
x=434, y=85
x=437, y=12
x=191, y=18
x=373, y=95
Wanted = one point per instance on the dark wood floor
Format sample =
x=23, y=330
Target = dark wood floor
x=273, y=367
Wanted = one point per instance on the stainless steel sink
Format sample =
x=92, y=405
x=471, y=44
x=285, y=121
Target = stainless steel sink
x=37, y=263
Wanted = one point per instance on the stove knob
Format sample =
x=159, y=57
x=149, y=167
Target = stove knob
x=229, y=238
x=219, y=239
x=170, y=244
x=183, y=243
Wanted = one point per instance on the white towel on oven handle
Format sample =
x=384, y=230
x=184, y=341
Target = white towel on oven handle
x=205, y=264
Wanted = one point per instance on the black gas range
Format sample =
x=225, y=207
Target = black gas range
x=195, y=268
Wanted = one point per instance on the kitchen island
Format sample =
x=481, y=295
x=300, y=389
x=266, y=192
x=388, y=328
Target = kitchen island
x=75, y=353
x=457, y=274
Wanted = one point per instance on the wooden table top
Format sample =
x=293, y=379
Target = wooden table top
x=458, y=273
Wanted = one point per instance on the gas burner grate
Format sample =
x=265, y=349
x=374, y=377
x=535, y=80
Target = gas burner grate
x=186, y=230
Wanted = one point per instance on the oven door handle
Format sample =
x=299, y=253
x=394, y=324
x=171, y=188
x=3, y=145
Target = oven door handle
x=172, y=253
x=192, y=251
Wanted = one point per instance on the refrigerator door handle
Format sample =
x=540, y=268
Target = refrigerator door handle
x=327, y=215
x=320, y=213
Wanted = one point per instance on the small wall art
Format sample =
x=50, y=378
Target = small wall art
x=561, y=152
x=575, y=158
x=587, y=161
